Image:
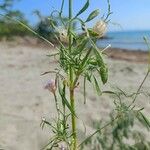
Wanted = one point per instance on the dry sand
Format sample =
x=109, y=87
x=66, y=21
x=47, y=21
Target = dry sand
x=23, y=101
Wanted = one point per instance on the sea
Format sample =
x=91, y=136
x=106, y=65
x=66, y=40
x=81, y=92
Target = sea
x=129, y=40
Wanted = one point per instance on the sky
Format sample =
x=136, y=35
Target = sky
x=127, y=14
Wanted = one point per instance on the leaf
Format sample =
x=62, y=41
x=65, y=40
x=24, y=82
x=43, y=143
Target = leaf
x=85, y=59
x=51, y=55
x=64, y=100
x=98, y=56
x=97, y=86
x=109, y=92
x=88, y=76
x=83, y=9
x=62, y=6
x=80, y=47
x=147, y=122
x=143, y=120
x=92, y=33
x=94, y=14
x=103, y=68
x=104, y=73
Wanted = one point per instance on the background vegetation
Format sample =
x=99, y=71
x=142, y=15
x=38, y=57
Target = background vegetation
x=10, y=28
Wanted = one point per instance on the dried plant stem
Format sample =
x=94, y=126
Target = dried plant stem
x=99, y=130
x=141, y=85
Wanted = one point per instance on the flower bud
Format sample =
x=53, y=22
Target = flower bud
x=100, y=28
x=63, y=146
x=63, y=35
x=51, y=86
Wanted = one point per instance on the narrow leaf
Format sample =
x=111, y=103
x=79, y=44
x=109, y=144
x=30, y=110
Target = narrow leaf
x=109, y=92
x=97, y=86
x=51, y=55
x=86, y=58
x=143, y=120
x=103, y=67
x=80, y=47
x=64, y=100
x=104, y=73
x=83, y=9
x=147, y=122
x=92, y=33
x=94, y=14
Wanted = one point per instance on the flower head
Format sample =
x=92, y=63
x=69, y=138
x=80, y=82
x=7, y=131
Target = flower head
x=63, y=35
x=51, y=86
x=100, y=28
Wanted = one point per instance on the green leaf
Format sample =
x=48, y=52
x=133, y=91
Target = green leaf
x=52, y=55
x=104, y=73
x=92, y=33
x=64, y=100
x=147, y=122
x=62, y=6
x=80, y=47
x=103, y=68
x=109, y=92
x=98, y=55
x=85, y=59
x=89, y=75
x=97, y=86
x=143, y=120
x=94, y=14
x=83, y=9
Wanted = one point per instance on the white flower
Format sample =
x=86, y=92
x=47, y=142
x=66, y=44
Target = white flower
x=100, y=28
x=63, y=35
x=51, y=86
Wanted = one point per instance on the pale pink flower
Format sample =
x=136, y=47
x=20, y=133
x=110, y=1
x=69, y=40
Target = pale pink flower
x=51, y=86
x=100, y=28
x=63, y=146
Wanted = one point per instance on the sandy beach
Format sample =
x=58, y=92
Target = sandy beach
x=23, y=101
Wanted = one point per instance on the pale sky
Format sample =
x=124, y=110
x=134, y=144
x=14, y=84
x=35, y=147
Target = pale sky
x=130, y=14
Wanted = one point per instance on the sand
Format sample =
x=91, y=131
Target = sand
x=23, y=101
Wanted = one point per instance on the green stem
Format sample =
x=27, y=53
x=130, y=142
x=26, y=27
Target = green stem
x=73, y=118
x=57, y=106
x=64, y=108
x=72, y=101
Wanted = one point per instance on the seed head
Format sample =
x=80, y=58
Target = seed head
x=63, y=35
x=100, y=28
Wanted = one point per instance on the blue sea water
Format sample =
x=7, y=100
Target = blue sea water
x=130, y=40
